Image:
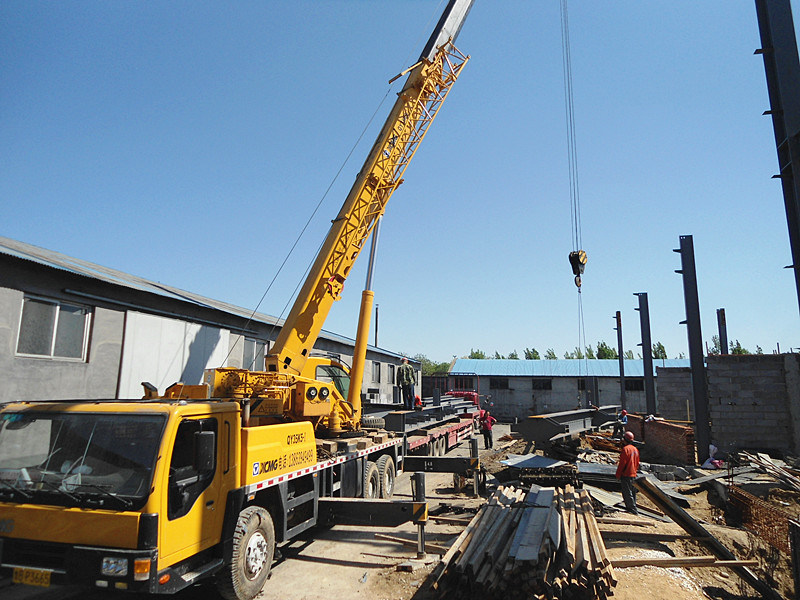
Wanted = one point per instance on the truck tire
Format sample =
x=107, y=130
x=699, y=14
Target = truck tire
x=387, y=472
x=368, y=422
x=372, y=481
x=253, y=551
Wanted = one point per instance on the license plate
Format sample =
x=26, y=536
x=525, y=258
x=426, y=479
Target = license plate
x=31, y=577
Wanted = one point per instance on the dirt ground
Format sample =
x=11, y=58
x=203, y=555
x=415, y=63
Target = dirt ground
x=349, y=562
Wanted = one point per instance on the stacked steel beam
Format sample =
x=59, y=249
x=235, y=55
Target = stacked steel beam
x=544, y=544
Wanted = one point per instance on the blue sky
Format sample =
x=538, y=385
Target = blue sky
x=189, y=142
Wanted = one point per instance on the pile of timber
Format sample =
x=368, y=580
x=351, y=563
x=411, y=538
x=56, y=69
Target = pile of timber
x=543, y=543
x=764, y=462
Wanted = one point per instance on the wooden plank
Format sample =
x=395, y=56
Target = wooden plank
x=645, y=536
x=618, y=521
x=681, y=561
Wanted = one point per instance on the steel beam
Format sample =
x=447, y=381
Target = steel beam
x=372, y=513
x=439, y=464
x=552, y=427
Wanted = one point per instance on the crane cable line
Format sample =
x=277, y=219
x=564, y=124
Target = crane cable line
x=577, y=257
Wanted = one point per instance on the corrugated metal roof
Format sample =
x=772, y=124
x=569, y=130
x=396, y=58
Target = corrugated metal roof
x=56, y=260
x=557, y=368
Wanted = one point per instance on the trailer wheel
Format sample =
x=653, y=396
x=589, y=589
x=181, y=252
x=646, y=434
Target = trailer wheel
x=253, y=551
x=387, y=472
x=372, y=480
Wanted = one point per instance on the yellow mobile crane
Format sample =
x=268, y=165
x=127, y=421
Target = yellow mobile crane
x=153, y=494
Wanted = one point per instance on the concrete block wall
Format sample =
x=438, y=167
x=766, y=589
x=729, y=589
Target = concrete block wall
x=753, y=402
x=675, y=393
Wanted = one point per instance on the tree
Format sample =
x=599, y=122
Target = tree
x=431, y=368
x=629, y=354
x=479, y=354
x=513, y=355
x=550, y=354
x=605, y=351
x=590, y=352
x=532, y=354
x=659, y=351
x=759, y=350
x=575, y=354
x=715, y=346
x=736, y=348
x=498, y=356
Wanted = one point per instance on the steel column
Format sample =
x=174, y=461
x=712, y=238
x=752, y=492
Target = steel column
x=647, y=353
x=722, y=327
x=419, y=497
x=782, y=67
x=621, y=361
x=696, y=359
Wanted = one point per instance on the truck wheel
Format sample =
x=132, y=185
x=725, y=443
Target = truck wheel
x=387, y=472
x=372, y=480
x=253, y=550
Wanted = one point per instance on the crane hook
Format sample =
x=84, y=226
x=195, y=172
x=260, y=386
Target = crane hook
x=577, y=259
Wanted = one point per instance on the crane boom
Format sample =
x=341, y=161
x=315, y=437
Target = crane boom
x=428, y=84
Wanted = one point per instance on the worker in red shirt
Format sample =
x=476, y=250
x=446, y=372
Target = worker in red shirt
x=487, y=421
x=627, y=468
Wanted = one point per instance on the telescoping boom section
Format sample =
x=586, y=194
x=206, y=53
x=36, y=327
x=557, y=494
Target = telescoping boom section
x=290, y=386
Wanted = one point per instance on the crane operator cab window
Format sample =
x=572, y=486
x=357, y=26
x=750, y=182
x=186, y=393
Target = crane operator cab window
x=191, y=469
x=336, y=375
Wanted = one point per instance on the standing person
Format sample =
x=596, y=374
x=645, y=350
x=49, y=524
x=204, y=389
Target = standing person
x=405, y=379
x=487, y=420
x=627, y=468
x=622, y=422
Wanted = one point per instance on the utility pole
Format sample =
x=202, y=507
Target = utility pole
x=696, y=358
x=618, y=319
x=647, y=354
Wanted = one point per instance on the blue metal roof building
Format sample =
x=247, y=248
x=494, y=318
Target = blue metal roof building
x=557, y=368
x=520, y=388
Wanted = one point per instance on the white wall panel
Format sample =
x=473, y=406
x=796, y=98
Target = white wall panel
x=163, y=351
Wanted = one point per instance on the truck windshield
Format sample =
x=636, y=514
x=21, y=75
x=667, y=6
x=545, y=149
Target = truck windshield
x=78, y=459
x=336, y=375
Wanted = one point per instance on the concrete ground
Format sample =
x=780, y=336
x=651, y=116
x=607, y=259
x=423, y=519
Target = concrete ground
x=342, y=561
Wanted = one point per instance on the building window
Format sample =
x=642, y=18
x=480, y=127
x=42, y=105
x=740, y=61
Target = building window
x=376, y=372
x=498, y=383
x=53, y=329
x=634, y=385
x=542, y=384
x=253, y=355
x=463, y=384
x=391, y=374
x=581, y=384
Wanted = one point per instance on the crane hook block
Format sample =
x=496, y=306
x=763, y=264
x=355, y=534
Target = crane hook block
x=577, y=261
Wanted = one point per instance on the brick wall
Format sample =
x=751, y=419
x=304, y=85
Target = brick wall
x=665, y=442
x=752, y=402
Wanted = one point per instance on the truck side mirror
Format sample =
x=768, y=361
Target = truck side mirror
x=205, y=444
